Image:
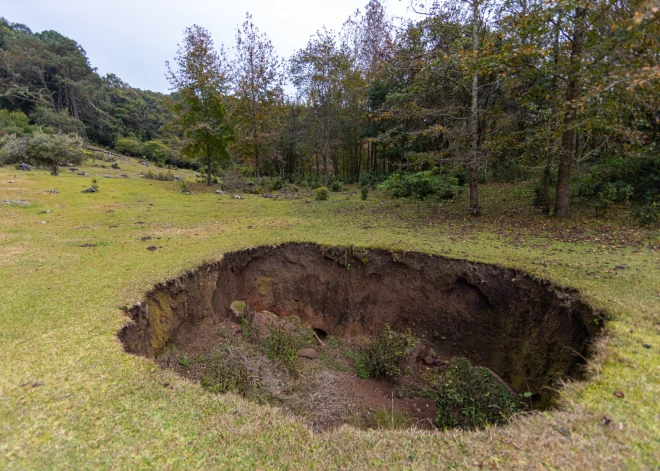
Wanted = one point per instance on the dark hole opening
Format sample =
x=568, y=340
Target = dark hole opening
x=322, y=334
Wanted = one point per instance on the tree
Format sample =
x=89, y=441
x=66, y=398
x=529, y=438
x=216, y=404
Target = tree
x=44, y=150
x=258, y=87
x=201, y=83
x=318, y=71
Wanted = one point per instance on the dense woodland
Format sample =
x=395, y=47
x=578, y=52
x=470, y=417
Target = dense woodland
x=470, y=91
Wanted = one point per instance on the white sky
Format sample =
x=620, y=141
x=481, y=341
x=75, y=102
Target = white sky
x=133, y=39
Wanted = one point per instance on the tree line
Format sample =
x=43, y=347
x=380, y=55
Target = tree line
x=466, y=91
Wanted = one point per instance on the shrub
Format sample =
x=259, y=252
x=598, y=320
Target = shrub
x=165, y=177
x=337, y=186
x=281, y=345
x=14, y=122
x=246, y=172
x=155, y=150
x=647, y=214
x=370, y=179
x=50, y=122
x=321, y=194
x=128, y=146
x=228, y=372
x=385, y=354
x=13, y=150
x=421, y=185
x=364, y=194
x=471, y=397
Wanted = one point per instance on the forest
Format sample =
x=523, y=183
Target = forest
x=467, y=92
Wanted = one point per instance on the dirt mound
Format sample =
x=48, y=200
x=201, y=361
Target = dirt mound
x=528, y=332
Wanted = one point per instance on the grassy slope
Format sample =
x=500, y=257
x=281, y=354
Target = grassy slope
x=94, y=406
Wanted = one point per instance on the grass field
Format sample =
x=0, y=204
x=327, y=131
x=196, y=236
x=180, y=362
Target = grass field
x=71, y=398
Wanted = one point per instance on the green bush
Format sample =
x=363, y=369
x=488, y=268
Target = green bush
x=647, y=214
x=43, y=150
x=227, y=372
x=421, y=185
x=128, y=146
x=370, y=179
x=246, y=172
x=337, y=186
x=165, y=177
x=281, y=345
x=471, y=397
x=321, y=194
x=364, y=194
x=384, y=355
x=14, y=122
x=155, y=150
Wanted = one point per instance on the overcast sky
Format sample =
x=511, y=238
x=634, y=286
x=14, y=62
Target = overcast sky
x=134, y=38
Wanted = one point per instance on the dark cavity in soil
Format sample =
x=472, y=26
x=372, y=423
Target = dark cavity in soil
x=289, y=324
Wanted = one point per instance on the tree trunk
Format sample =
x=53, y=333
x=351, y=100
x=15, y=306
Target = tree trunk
x=562, y=200
x=55, y=170
x=474, y=115
x=545, y=195
x=208, y=165
x=256, y=158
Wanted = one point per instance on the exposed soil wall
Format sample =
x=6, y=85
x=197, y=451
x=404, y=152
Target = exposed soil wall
x=526, y=330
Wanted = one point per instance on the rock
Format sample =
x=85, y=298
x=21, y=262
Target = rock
x=89, y=190
x=429, y=360
x=152, y=248
x=24, y=166
x=238, y=197
x=145, y=238
x=53, y=191
x=269, y=195
x=308, y=353
x=115, y=166
x=440, y=362
x=219, y=192
x=11, y=181
x=144, y=162
x=83, y=174
x=17, y=202
x=44, y=212
x=73, y=169
x=107, y=176
x=262, y=321
x=123, y=175
x=178, y=178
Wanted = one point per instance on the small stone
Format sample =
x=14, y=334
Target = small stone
x=53, y=191
x=152, y=248
x=115, y=166
x=308, y=353
x=238, y=197
x=107, y=176
x=144, y=162
x=646, y=345
x=219, y=192
x=429, y=360
x=440, y=362
x=123, y=175
x=618, y=394
x=179, y=179
x=606, y=420
x=89, y=190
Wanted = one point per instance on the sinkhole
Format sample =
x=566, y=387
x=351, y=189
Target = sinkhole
x=529, y=333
